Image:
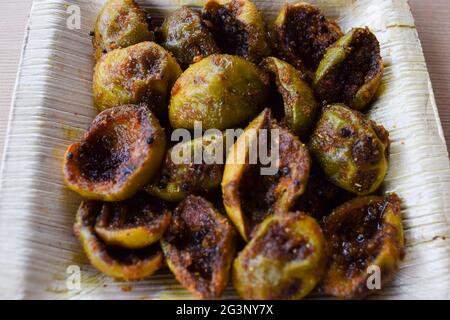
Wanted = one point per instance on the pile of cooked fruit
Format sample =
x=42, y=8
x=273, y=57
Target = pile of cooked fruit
x=319, y=223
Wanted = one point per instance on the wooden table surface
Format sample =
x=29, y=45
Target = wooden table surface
x=432, y=20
